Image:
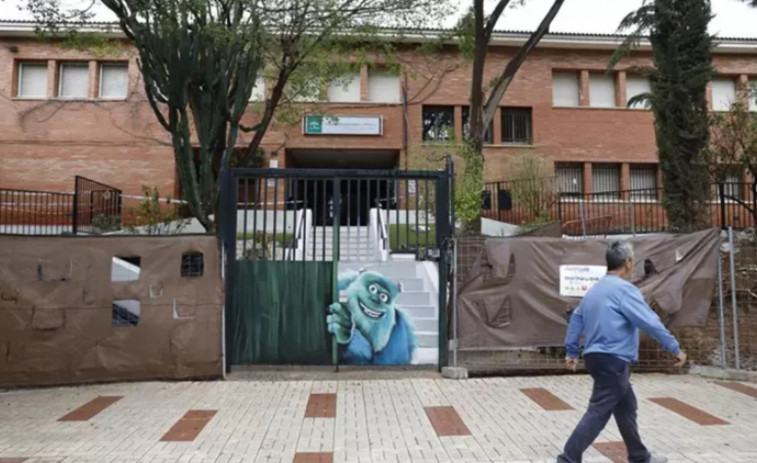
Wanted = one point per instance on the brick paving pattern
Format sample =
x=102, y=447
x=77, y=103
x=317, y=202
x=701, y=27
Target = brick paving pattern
x=321, y=406
x=546, y=399
x=89, y=410
x=446, y=421
x=687, y=411
x=324, y=457
x=738, y=387
x=377, y=421
x=189, y=426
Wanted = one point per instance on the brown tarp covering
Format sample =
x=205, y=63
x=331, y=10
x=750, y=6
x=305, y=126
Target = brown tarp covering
x=56, y=313
x=512, y=299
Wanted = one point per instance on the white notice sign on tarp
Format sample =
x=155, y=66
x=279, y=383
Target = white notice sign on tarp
x=577, y=280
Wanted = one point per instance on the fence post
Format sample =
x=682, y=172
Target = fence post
x=633, y=216
x=454, y=300
x=721, y=194
x=737, y=361
x=721, y=314
x=335, y=226
x=75, y=221
x=583, y=216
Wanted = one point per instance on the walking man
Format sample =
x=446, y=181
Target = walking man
x=610, y=315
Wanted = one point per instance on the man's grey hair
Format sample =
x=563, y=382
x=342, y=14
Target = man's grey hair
x=617, y=253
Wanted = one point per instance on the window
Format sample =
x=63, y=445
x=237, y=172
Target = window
x=565, y=89
x=32, y=80
x=488, y=139
x=723, y=94
x=516, y=126
x=258, y=90
x=125, y=268
x=644, y=182
x=570, y=178
x=73, y=80
x=732, y=186
x=601, y=90
x=383, y=86
x=438, y=123
x=114, y=79
x=605, y=181
x=125, y=312
x=345, y=89
x=635, y=86
x=192, y=264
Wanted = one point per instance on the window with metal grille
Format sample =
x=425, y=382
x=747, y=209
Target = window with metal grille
x=438, y=123
x=516, y=126
x=570, y=178
x=605, y=181
x=192, y=264
x=732, y=186
x=488, y=139
x=644, y=182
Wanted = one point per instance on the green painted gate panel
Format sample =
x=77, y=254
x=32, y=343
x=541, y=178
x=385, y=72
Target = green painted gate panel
x=279, y=313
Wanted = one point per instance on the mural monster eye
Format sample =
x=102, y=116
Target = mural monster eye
x=373, y=289
x=384, y=298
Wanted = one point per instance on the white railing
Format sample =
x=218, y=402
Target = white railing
x=303, y=225
x=379, y=234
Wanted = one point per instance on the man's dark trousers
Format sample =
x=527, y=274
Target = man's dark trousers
x=612, y=395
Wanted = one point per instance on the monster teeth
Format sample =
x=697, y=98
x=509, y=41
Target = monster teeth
x=369, y=312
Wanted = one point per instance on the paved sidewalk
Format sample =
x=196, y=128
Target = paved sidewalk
x=409, y=420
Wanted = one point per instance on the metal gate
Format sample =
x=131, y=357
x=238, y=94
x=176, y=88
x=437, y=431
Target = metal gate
x=285, y=232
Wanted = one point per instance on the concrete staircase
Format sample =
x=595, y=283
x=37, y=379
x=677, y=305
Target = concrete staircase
x=355, y=244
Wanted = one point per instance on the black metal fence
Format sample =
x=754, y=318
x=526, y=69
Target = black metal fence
x=29, y=212
x=97, y=207
x=523, y=202
x=93, y=208
x=325, y=215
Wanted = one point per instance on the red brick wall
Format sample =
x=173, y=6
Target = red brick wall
x=44, y=144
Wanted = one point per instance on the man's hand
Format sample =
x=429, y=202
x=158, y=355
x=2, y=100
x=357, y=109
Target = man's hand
x=680, y=359
x=571, y=363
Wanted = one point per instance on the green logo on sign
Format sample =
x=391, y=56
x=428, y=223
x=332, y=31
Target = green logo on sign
x=314, y=124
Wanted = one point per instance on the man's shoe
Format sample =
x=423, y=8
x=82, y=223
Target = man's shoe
x=658, y=459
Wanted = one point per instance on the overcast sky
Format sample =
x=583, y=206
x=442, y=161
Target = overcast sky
x=733, y=18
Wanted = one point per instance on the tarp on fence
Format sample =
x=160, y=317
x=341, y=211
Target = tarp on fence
x=512, y=295
x=63, y=319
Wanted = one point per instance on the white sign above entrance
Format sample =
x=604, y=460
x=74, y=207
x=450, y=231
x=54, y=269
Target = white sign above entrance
x=577, y=280
x=342, y=125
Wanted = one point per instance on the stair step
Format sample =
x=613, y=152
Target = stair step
x=419, y=311
x=414, y=298
x=427, y=339
x=425, y=324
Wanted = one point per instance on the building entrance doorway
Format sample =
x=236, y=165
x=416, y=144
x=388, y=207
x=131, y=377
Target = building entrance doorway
x=355, y=197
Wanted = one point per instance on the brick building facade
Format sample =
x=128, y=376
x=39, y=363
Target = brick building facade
x=68, y=112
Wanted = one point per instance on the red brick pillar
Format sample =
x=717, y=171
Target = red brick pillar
x=497, y=136
x=621, y=98
x=458, y=124
x=587, y=178
x=52, y=79
x=583, y=94
x=364, y=82
x=625, y=180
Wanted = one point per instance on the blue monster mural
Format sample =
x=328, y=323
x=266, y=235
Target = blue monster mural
x=368, y=327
